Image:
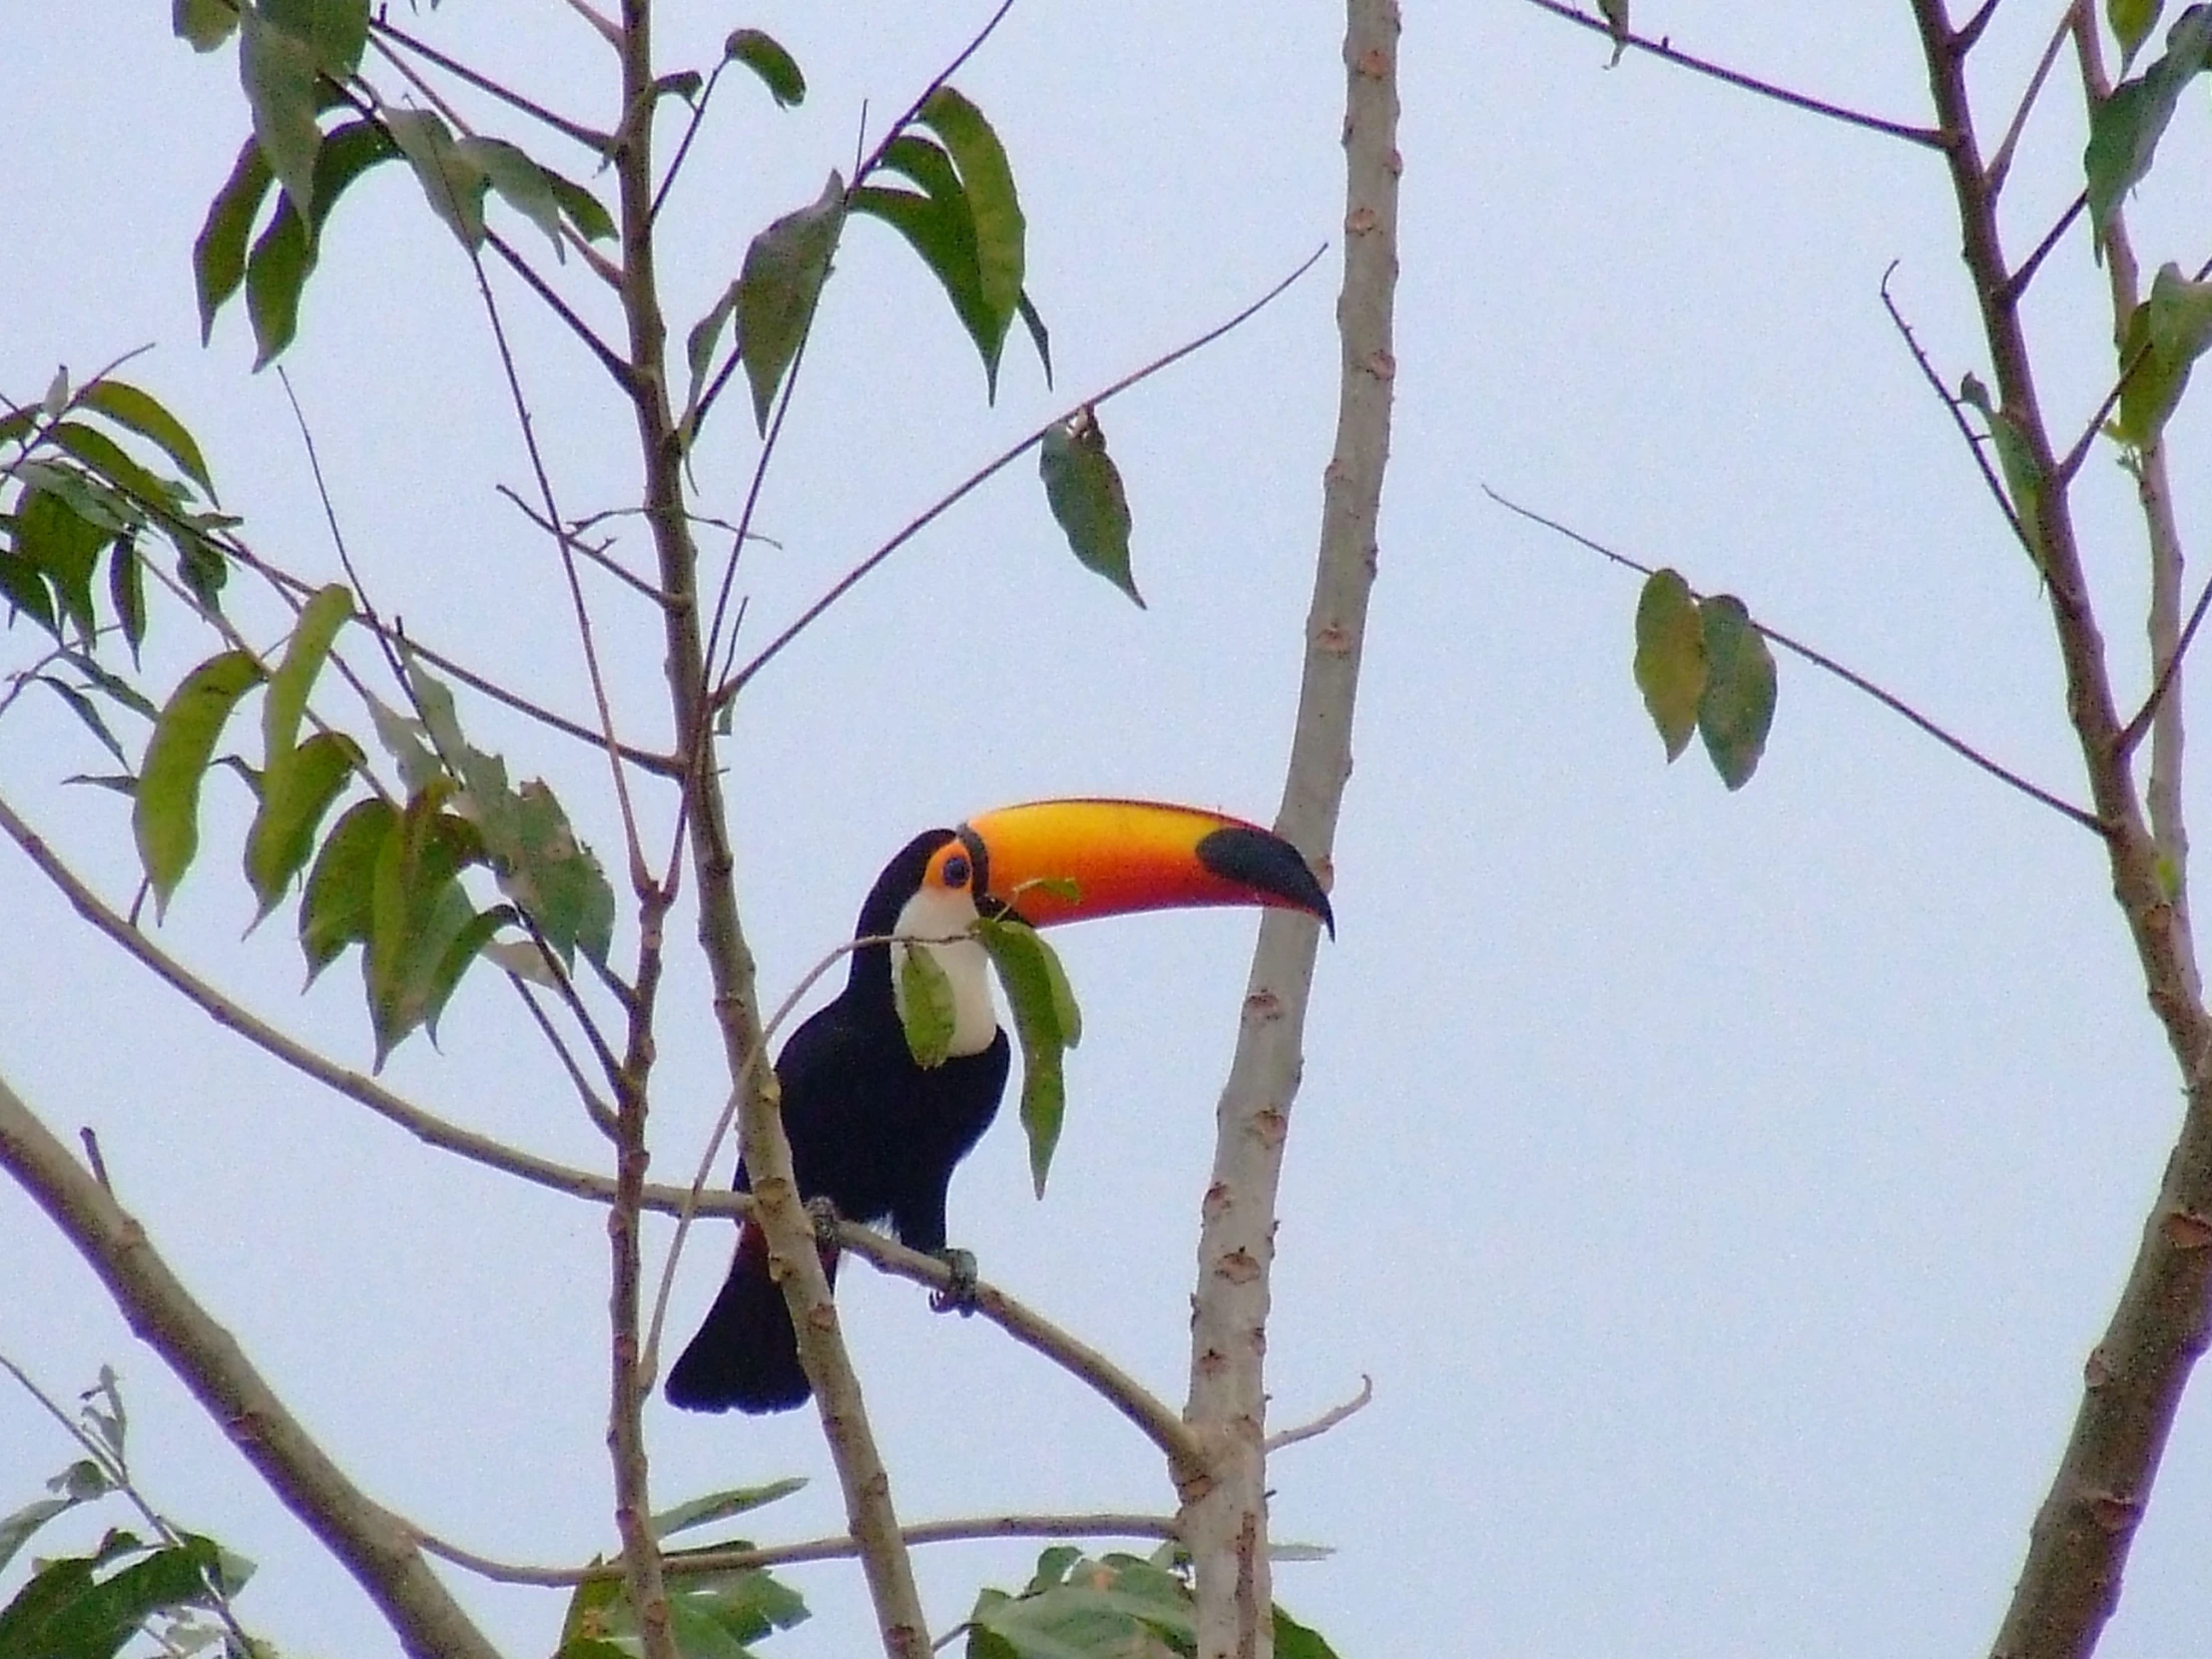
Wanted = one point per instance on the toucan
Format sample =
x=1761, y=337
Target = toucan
x=875, y=1133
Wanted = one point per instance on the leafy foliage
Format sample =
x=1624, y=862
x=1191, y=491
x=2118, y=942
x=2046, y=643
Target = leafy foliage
x=715, y=1615
x=1704, y=665
x=2126, y=127
x=778, y=286
x=2165, y=337
x=1116, y=1606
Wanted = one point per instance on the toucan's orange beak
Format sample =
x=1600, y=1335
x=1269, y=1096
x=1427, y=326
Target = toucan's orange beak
x=1067, y=860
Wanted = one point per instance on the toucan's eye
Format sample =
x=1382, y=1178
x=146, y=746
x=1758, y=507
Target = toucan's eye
x=957, y=870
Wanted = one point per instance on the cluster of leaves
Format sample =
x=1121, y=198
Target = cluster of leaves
x=296, y=62
x=2168, y=331
x=82, y=483
x=388, y=874
x=89, y=1606
x=1075, y=1607
x=712, y=1615
x=1704, y=667
x=1046, y=1020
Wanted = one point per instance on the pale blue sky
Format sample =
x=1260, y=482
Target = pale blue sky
x=1723, y=1192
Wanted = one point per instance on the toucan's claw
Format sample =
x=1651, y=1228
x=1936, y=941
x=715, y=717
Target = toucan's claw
x=958, y=1296
x=827, y=1218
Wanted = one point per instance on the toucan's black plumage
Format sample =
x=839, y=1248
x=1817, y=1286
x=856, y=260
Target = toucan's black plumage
x=878, y=1135
x=869, y=1130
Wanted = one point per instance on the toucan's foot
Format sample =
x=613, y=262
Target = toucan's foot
x=826, y=1219
x=960, y=1295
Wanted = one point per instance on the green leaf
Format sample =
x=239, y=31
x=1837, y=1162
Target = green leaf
x=989, y=185
x=1670, y=657
x=1046, y=1022
x=2132, y=22
x=539, y=863
x=73, y=1487
x=402, y=739
x=127, y=591
x=275, y=275
x=202, y=569
x=941, y=231
x=723, y=1505
x=1117, y=1605
x=522, y=183
x=206, y=23
x=55, y=538
x=277, y=69
x=1039, y=335
x=1737, y=710
x=1295, y=1641
x=67, y=1613
x=460, y=952
x=699, y=352
x=777, y=68
x=341, y=887
x=219, y=256
x=418, y=913
x=592, y=221
x=297, y=787
x=112, y=464
x=2165, y=335
x=925, y=1006
x=1085, y=492
x=2124, y=128
x=165, y=816
x=26, y=592
x=138, y=412
x=310, y=647
x=82, y=706
x=452, y=180
x=334, y=31
x=778, y=286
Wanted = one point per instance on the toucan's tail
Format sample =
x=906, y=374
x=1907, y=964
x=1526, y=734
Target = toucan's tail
x=746, y=1354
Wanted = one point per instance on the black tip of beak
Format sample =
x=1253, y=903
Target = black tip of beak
x=1267, y=861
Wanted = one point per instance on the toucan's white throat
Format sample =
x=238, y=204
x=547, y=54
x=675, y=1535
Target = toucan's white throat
x=943, y=913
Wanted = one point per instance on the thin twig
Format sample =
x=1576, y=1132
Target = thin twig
x=596, y=677
x=1957, y=413
x=1925, y=136
x=959, y=62
x=2001, y=163
x=839, y=1547
x=846, y=583
x=2016, y=284
x=2133, y=732
x=589, y=138
x=1327, y=1421
x=683, y=145
x=1850, y=677
x=609, y=358
x=597, y=555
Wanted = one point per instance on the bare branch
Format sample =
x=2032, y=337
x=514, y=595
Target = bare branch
x=373, y=1545
x=597, y=554
x=2001, y=163
x=589, y=138
x=846, y=583
x=1223, y=1517
x=2016, y=284
x=840, y=1547
x=959, y=62
x=1957, y=413
x=1850, y=677
x=1665, y=50
x=1327, y=1421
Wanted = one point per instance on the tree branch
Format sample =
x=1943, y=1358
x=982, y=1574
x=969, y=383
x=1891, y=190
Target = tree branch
x=2078, y=1546
x=1665, y=50
x=374, y=1545
x=846, y=583
x=1850, y=677
x=691, y=1561
x=1223, y=1519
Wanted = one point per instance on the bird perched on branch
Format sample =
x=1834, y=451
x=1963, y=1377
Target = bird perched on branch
x=874, y=1131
